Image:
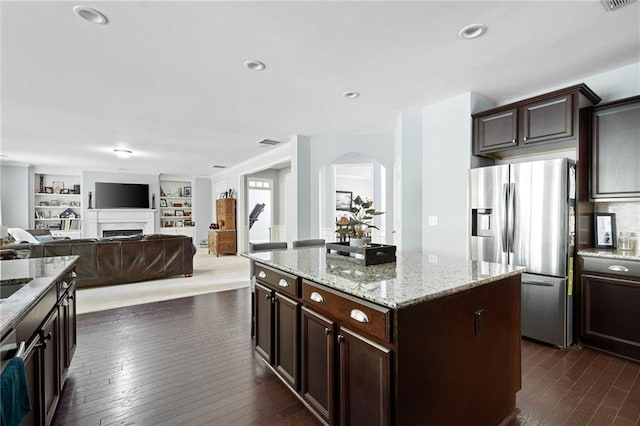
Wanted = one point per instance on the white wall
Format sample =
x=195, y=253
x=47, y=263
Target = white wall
x=15, y=197
x=408, y=154
x=446, y=133
x=202, y=210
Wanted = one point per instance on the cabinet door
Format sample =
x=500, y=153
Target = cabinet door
x=287, y=340
x=496, y=131
x=611, y=314
x=50, y=370
x=318, y=364
x=616, y=150
x=32, y=371
x=68, y=341
x=548, y=120
x=264, y=322
x=365, y=380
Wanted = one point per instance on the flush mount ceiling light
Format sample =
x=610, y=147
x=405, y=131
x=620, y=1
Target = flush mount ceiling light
x=123, y=153
x=90, y=15
x=254, y=65
x=351, y=95
x=472, y=31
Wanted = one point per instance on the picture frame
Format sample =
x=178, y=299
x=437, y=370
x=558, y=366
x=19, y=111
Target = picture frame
x=57, y=187
x=48, y=190
x=163, y=203
x=605, y=230
x=186, y=191
x=179, y=212
x=344, y=200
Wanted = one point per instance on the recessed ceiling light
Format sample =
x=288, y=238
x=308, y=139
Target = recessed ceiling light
x=351, y=95
x=472, y=31
x=123, y=153
x=254, y=65
x=90, y=15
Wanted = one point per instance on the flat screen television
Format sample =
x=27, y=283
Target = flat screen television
x=122, y=195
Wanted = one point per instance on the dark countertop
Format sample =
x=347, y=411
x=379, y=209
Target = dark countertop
x=44, y=271
x=414, y=278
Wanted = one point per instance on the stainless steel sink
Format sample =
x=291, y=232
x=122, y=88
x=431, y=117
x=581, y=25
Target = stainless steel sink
x=10, y=286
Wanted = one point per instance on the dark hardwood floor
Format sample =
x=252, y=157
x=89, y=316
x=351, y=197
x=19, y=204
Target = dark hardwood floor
x=191, y=361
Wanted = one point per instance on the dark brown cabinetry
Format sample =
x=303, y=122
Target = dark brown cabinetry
x=278, y=322
x=615, y=170
x=529, y=126
x=611, y=305
x=49, y=332
x=450, y=360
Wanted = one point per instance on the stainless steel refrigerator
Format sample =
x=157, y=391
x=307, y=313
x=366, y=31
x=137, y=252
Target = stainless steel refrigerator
x=524, y=214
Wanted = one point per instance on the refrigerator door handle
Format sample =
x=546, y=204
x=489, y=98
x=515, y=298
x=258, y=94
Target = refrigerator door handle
x=503, y=229
x=512, y=215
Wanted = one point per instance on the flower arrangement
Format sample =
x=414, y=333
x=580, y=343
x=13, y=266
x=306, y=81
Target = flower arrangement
x=360, y=215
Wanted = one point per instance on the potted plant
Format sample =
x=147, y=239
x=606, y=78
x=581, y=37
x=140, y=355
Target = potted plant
x=360, y=216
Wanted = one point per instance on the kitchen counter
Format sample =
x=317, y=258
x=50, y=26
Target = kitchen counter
x=44, y=271
x=412, y=279
x=610, y=254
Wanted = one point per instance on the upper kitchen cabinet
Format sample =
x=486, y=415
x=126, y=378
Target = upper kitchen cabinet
x=615, y=144
x=542, y=123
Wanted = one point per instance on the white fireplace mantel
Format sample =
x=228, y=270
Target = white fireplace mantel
x=98, y=220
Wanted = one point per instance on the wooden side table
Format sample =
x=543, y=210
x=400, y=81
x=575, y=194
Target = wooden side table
x=222, y=242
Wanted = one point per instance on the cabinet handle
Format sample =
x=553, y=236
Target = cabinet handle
x=618, y=268
x=359, y=316
x=73, y=274
x=514, y=140
x=267, y=296
x=71, y=297
x=283, y=283
x=316, y=297
x=327, y=331
x=65, y=284
x=262, y=274
x=340, y=338
x=526, y=138
x=49, y=336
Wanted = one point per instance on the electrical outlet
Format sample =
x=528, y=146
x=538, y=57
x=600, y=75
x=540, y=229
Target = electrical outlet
x=433, y=220
x=433, y=258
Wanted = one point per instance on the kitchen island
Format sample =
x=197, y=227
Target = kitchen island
x=425, y=339
x=38, y=314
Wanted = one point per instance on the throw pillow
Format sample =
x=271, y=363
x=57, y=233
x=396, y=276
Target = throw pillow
x=22, y=236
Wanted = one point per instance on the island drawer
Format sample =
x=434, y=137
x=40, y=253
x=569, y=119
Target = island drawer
x=278, y=280
x=619, y=267
x=357, y=314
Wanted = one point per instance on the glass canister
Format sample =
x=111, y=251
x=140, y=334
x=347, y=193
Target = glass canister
x=627, y=241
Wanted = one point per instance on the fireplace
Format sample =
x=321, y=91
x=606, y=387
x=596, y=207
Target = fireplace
x=99, y=221
x=121, y=232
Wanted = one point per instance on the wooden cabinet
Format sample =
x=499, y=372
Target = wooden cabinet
x=610, y=290
x=365, y=380
x=278, y=322
x=543, y=123
x=226, y=213
x=451, y=360
x=222, y=242
x=615, y=142
x=49, y=330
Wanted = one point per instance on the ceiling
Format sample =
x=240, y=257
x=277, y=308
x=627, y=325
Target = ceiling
x=166, y=79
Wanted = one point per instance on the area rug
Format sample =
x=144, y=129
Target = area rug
x=210, y=274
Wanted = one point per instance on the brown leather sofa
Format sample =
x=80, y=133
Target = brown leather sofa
x=118, y=260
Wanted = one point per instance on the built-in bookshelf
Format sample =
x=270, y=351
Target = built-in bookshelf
x=176, y=207
x=57, y=204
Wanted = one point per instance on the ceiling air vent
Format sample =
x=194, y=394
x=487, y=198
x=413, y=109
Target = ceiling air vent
x=268, y=142
x=615, y=4
x=217, y=166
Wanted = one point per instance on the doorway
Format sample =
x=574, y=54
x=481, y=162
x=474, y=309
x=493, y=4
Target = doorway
x=260, y=205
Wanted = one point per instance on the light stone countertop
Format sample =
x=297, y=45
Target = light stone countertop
x=610, y=254
x=44, y=271
x=412, y=279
